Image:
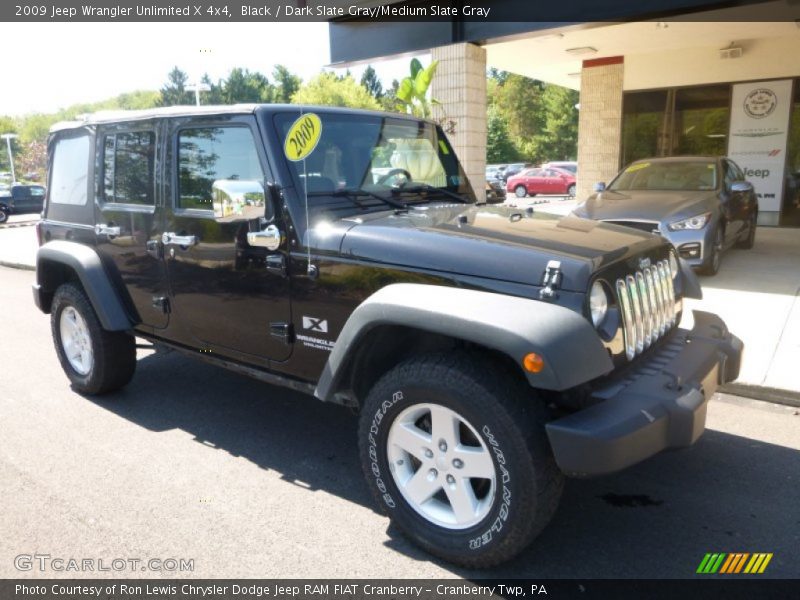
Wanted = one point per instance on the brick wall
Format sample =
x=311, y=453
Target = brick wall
x=600, y=122
x=460, y=85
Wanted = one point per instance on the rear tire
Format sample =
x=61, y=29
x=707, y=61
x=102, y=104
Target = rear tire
x=571, y=191
x=96, y=361
x=483, y=510
x=520, y=191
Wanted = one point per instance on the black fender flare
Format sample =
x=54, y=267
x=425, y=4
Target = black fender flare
x=86, y=264
x=571, y=348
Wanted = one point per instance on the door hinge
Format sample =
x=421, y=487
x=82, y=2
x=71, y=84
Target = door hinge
x=282, y=331
x=162, y=302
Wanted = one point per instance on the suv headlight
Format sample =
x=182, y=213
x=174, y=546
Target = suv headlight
x=697, y=222
x=598, y=303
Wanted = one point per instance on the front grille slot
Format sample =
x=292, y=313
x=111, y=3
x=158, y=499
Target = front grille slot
x=647, y=303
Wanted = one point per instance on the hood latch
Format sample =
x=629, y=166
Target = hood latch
x=551, y=280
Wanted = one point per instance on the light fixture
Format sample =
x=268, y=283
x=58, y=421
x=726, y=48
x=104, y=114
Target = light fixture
x=581, y=50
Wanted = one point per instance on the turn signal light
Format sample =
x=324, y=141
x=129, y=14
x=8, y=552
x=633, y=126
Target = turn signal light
x=533, y=363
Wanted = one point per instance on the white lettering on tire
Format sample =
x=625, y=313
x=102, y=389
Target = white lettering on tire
x=373, y=447
x=505, y=504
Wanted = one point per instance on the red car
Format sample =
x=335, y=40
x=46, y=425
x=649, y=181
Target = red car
x=542, y=181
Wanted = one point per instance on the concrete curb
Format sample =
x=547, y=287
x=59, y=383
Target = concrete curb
x=758, y=392
x=16, y=265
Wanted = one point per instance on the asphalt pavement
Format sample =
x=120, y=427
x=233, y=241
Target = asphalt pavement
x=248, y=480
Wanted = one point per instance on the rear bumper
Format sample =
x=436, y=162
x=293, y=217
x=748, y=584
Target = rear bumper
x=659, y=403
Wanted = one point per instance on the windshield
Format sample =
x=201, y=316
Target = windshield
x=382, y=156
x=695, y=175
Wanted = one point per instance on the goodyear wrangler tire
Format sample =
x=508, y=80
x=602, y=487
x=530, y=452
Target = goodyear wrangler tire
x=454, y=451
x=96, y=361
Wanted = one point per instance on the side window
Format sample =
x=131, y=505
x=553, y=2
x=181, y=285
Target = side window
x=128, y=168
x=69, y=171
x=209, y=155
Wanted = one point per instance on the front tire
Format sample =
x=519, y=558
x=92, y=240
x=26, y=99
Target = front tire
x=96, y=361
x=3, y=216
x=520, y=191
x=712, y=263
x=454, y=451
x=748, y=242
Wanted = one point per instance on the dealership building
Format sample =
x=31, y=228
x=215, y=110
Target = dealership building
x=702, y=80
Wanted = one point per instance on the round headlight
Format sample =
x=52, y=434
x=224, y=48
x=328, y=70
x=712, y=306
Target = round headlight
x=598, y=303
x=673, y=264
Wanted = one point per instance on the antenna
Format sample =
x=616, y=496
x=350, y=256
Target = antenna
x=311, y=270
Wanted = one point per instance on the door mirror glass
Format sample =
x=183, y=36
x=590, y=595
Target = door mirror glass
x=237, y=200
x=740, y=187
x=600, y=187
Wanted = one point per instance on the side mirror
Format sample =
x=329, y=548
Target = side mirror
x=236, y=200
x=600, y=187
x=741, y=187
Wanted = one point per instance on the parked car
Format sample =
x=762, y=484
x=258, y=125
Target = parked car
x=21, y=199
x=493, y=173
x=702, y=205
x=542, y=181
x=565, y=165
x=488, y=351
x=514, y=169
x=495, y=192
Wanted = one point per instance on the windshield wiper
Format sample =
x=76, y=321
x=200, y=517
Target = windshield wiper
x=425, y=187
x=353, y=194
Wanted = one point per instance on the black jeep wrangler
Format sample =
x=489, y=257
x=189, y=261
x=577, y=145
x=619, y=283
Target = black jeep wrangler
x=489, y=351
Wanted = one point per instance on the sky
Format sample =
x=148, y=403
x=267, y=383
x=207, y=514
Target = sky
x=55, y=65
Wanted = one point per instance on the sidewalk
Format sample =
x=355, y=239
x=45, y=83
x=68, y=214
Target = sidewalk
x=18, y=243
x=756, y=292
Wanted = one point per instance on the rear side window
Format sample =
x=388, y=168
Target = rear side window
x=209, y=154
x=70, y=171
x=128, y=168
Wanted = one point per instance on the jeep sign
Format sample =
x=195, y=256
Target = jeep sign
x=759, y=125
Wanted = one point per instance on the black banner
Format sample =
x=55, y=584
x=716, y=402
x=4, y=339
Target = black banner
x=407, y=11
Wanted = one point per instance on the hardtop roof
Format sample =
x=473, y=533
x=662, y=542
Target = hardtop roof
x=121, y=116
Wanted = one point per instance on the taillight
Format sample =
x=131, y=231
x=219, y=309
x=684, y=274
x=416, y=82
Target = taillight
x=38, y=228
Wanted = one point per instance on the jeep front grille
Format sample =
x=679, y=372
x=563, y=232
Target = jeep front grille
x=647, y=303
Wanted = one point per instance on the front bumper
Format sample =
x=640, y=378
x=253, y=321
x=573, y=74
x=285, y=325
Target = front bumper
x=697, y=240
x=656, y=404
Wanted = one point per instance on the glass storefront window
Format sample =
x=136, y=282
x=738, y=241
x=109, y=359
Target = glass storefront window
x=790, y=210
x=643, y=125
x=702, y=117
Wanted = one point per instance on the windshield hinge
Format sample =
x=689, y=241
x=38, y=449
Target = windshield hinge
x=550, y=280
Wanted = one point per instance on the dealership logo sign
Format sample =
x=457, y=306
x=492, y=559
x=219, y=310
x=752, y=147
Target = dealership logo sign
x=760, y=103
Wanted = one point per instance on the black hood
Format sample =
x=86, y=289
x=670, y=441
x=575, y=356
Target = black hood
x=495, y=242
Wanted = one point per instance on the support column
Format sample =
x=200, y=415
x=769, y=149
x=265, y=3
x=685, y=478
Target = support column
x=460, y=85
x=599, y=122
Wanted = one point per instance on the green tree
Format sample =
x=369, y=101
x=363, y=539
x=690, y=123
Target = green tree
x=286, y=84
x=369, y=79
x=244, y=86
x=558, y=138
x=327, y=89
x=499, y=147
x=214, y=94
x=174, y=92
